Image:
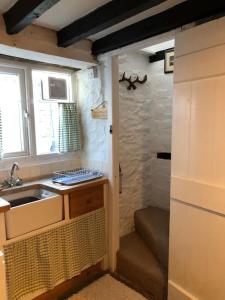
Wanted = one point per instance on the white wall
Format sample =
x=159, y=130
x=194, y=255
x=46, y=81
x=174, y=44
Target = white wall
x=145, y=128
x=197, y=228
x=36, y=167
x=94, y=152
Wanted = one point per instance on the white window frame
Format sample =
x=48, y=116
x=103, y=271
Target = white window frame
x=21, y=74
x=30, y=155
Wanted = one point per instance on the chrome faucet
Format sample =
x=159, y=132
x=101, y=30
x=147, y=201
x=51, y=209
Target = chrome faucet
x=12, y=180
x=14, y=166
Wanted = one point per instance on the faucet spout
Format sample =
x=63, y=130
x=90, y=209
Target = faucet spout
x=13, y=180
x=15, y=166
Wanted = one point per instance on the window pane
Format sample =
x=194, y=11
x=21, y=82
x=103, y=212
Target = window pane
x=11, y=107
x=46, y=117
x=46, y=109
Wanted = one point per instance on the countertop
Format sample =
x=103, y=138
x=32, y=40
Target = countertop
x=46, y=183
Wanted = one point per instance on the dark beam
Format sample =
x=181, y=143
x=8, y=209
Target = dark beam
x=23, y=12
x=103, y=17
x=177, y=16
x=160, y=55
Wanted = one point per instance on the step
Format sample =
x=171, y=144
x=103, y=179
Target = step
x=137, y=264
x=152, y=224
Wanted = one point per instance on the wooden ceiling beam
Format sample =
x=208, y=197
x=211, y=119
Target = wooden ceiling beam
x=23, y=12
x=101, y=18
x=177, y=16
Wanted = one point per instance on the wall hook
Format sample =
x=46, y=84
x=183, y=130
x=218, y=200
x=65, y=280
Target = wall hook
x=132, y=82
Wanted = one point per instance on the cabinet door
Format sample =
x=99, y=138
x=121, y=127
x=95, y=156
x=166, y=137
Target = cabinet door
x=86, y=200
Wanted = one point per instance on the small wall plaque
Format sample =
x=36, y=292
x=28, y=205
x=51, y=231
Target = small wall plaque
x=169, y=61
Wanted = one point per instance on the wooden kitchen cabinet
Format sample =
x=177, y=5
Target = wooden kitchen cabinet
x=86, y=200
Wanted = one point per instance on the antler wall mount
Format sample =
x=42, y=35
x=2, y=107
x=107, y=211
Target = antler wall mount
x=133, y=82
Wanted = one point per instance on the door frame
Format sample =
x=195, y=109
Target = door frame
x=111, y=95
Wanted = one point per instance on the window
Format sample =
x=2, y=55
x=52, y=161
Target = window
x=13, y=112
x=46, y=109
x=29, y=109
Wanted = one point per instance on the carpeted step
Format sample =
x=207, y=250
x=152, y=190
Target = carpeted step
x=152, y=224
x=137, y=264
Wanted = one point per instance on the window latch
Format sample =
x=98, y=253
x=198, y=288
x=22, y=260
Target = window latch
x=26, y=114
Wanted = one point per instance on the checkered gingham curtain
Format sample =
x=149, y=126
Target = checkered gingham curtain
x=69, y=130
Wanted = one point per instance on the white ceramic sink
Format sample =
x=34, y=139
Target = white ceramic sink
x=30, y=210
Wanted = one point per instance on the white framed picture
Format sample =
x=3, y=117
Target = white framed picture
x=169, y=61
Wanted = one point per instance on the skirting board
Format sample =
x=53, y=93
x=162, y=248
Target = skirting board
x=175, y=292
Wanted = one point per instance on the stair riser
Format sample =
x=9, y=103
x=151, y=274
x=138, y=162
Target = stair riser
x=138, y=265
x=152, y=224
x=154, y=291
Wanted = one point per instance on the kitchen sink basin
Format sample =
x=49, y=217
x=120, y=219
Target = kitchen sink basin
x=30, y=210
x=24, y=200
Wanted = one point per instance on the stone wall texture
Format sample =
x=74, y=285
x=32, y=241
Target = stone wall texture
x=145, y=129
x=94, y=134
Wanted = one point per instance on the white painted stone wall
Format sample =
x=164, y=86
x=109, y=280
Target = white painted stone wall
x=94, y=133
x=145, y=128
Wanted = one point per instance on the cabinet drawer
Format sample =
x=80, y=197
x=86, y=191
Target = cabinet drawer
x=86, y=200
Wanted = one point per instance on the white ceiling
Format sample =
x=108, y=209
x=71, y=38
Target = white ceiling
x=159, y=47
x=67, y=11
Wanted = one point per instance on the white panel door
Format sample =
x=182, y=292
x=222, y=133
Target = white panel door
x=197, y=226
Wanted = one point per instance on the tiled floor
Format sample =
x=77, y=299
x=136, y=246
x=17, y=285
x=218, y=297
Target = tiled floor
x=107, y=288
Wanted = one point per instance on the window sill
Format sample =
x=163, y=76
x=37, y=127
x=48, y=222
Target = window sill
x=28, y=161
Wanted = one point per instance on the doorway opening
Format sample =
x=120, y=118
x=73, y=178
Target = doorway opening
x=145, y=125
